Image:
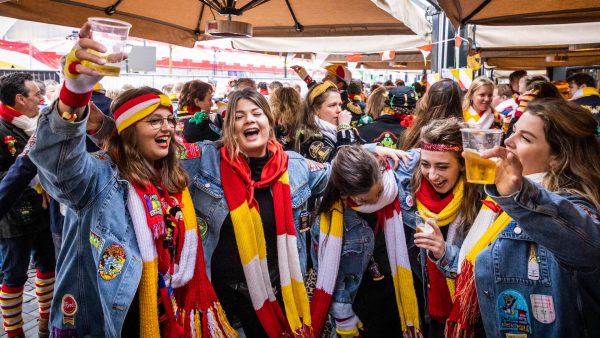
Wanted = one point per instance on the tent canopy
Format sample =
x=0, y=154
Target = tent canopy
x=505, y=47
x=518, y=12
x=182, y=22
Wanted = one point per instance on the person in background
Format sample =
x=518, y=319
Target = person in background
x=477, y=105
x=196, y=99
x=244, y=82
x=389, y=125
x=583, y=92
x=502, y=100
x=262, y=88
x=25, y=228
x=399, y=83
x=273, y=86
x=51, y=87
x=441, y=101
x=563, y=88
x=323, y=127
x=174, y=96
x=42, y=87
x=536, y=272
x=419, y=89
x=513, y=82
x=356, y=105
x=286, y=105
x=298, y=88
x=167, y=89
x=341, y=77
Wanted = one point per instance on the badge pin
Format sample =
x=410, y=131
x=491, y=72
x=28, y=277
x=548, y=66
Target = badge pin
x=304, y=221
x=111, y=262
x=68, y=307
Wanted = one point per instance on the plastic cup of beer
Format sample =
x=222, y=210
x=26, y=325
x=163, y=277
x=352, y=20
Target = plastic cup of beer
x=475, y=141
x=112, y=34
x=423, y=223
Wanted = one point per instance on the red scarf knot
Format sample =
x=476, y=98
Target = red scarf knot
x=495, y=207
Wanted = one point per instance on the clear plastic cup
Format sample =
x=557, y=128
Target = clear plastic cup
x=112, y=34
x=423, y=222
x=475, y=142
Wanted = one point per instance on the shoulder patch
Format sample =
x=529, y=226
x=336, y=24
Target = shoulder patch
x=192, y=150
x=314, y=165
x=319, y=151
x=588, y=210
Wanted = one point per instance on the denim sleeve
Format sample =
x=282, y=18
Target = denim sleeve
x=15, y=182
x=448, y=264
x=318, y=176
x=567, y=227
x=66, y=170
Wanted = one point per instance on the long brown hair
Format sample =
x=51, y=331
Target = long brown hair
x=286, y=105
x=447, y=131
x=122, y=149
x=442, y=100
x=570, y=131
x=376, y=102
x=228, y=136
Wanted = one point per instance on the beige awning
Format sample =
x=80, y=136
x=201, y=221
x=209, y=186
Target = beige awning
x=182, y=22
x=519, y=12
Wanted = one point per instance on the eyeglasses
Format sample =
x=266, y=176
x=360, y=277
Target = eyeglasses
x=157, y=122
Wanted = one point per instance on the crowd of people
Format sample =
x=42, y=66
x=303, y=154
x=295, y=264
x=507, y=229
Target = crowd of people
x=167, y=213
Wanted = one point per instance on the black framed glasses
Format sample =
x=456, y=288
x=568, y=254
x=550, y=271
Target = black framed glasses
x=157, y=122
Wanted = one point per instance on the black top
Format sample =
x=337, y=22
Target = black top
x=385, y=131
x=205, y=131
x=226, y=262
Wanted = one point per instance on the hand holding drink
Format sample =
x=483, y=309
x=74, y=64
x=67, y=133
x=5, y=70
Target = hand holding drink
x=428, y=236
x=475, y=141
x=112, y=34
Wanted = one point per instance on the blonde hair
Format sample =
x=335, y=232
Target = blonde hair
x=570, y=131
x=228, y=136
x=376, y=102
x=122, y=149
x=286, y=104
x=479, y=82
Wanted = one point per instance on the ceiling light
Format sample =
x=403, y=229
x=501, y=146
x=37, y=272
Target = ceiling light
x=557, y=58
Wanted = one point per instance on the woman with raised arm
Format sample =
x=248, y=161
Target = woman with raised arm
x=131, y=264
x=537, y=272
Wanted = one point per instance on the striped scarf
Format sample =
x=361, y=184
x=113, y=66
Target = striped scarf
x=238, y=188
x=10, y=115
x=330, y=246
x=199, y=313
x=482, y=120
x=446, y=211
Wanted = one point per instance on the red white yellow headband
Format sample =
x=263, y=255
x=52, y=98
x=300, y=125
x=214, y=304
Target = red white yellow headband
x=138, y=108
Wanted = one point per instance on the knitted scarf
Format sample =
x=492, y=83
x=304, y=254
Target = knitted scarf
x=585, y=91
x=481, y=120
x=330, y=244
x=488, y=224
x=10, y=115
x=238, y=188
x=446, y=210
x=169, y=247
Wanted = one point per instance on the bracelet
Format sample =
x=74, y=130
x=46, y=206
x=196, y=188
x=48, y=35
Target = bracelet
x=343, y=126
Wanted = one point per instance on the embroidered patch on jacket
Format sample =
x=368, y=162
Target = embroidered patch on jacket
x=588, y=210
x=96, y=241
x=153, y=205
x=304, y=221
x=314, y=165
x=57, y=332
x=29, y=145
x=10, y=142
x=202, y=227
x=100, y=155
x=68, y=307
x=319, y=151
x=111, y=262
x=387, y=139
x=513, y=312
x=192, y=150
x=542, y=307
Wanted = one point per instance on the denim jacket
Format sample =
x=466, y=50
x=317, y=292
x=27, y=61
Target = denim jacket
x=560, y=295
x=211, y=206
x=99, y=267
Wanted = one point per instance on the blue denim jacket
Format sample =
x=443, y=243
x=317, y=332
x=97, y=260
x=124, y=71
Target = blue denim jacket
x=563, y=297
x=98, y=233
x=210, y=203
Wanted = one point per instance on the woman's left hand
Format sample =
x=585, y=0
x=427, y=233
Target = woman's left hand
x=394, y=154
x=509, y=170
x=432, y=241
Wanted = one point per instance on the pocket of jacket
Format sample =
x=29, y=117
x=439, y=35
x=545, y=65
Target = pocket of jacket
x=511, y=255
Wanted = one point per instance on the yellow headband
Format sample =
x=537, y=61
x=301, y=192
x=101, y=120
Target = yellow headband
x=319, y=90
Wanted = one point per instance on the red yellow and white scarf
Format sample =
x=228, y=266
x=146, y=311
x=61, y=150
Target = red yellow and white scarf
x=193, y=309
x=330, y=246
x=238, y=188
x=446, y=211
x=482, y=120
x=10, y=115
